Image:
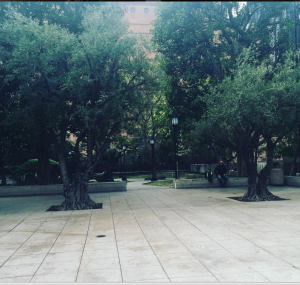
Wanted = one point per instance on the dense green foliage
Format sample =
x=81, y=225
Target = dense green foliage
x=26, y=173
x=81, y=78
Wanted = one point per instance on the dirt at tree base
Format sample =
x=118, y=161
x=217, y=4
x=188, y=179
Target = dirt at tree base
x=257, y=199
x=58, y=208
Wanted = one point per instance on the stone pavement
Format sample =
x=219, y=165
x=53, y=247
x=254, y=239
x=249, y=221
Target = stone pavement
x=151, y=235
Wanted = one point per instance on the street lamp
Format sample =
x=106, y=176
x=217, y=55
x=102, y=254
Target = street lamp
x=124, y=177
x=121, y=168
x=175, y=125
x=152, y=142
x=209, y=158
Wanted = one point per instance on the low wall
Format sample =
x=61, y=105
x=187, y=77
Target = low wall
x=203, y=183
x=292, y=181
x=232, y=182
x=8, y=191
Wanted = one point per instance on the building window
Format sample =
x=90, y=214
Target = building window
x=132, y=9
x=146, y=10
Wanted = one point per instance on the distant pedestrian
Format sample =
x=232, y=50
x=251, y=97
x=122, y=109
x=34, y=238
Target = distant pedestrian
x=221, y=171
x=108, y=176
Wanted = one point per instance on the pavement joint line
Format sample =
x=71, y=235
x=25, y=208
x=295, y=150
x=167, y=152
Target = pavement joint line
x=113, y=220
x=52, y=244
x=274, y=226
x=26, y=239
x=84, y=244
x=24, y=218
x=174, y=236
x=145, y=235
x=212, y=238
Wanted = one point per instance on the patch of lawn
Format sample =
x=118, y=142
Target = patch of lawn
x=160, y=183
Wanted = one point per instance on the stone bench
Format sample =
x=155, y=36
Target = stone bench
x=292, y=181
x=8, y=191
x=204, y=183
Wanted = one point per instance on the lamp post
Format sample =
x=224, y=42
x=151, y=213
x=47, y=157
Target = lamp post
x=175, y=125
x=209, y=157
x=152, y=142
x=121, y=168
x=124, y=176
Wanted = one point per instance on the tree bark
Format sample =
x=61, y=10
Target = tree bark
x=2, y=172
x=257, y=189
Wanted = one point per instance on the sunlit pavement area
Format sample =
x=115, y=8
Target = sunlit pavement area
x=152, y=234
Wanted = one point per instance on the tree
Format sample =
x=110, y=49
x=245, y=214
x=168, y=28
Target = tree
x=258, y=105
x=83, y=83
x=201, y=41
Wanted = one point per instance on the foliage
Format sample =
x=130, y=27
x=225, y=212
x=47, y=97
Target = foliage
x=158, y=177
x=193, y=176
x=259, y=104
x=26, y=173
x=84, y=81
x=200, y=43
x=167, y=183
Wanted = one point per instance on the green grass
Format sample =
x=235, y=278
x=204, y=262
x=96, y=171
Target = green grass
x=160, y=183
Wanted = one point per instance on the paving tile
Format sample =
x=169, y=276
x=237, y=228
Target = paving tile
x=66, y=247
x=43, y=249
x=64, y=256
x=135, y=242
x=268, y=264
x=222, y=262
x=137, y=261
x=135, y=251
x=18, y=270
x=197, y=279
x=21, y=279
x=25, y=259
x=99, y=263
x=176, y=258
x=292, y=275
x=8, y=251
x=192, y=269
x=102, y=253
x=69, y=276
x=164, y=249
x=99, y=246
x=212, y=245
x=242, y=277
x=57, y=267
x=3, y=259
x=99, y=276
x=143, y=273
x=156, y=281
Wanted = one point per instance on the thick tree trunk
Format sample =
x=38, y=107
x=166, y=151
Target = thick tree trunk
x=240, y=165
x=251, y=174
x=44, y=172
x=75, y=193
x=2, y=172
x=294, y=166
x=263, y=193
x=257, y=189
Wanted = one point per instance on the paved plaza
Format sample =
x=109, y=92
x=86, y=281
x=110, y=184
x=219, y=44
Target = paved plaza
x=152, y=234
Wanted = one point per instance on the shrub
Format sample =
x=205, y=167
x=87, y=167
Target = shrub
x=157, y=177
x=26, y=173
x=193, y=176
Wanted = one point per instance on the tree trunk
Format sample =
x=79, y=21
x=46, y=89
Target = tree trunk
x=263, y=193
x=44, y=172
x=257, y=190
x=2, y=172
x=293, y=168
x=251, y=169
x=240, y=165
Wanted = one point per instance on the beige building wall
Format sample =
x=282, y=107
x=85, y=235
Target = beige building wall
x=141, y=16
